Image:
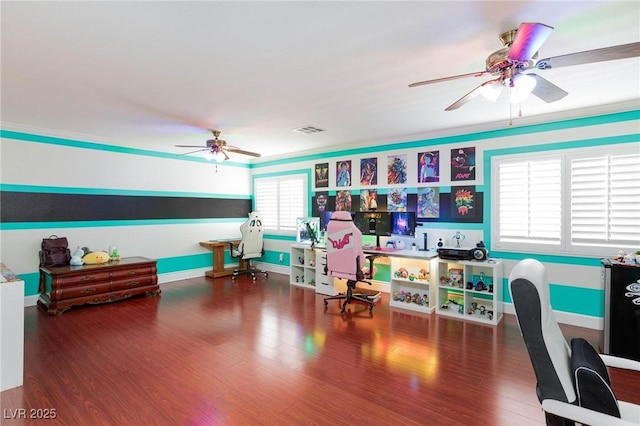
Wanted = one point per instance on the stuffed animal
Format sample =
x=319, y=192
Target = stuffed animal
x=95, y=258
x=76, y=258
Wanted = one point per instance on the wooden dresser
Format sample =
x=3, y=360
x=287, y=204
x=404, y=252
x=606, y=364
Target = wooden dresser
x=62, y=287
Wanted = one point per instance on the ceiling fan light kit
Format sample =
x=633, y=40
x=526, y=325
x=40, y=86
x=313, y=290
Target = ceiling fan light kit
x=520, y=54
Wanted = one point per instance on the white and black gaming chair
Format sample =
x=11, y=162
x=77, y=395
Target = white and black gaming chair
x=250, y=247
x=573, y=382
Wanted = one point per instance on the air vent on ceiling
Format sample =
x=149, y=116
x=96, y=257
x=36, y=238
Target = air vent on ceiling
x=307, y=130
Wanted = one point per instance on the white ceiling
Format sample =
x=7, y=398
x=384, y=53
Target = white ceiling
x=151, y=75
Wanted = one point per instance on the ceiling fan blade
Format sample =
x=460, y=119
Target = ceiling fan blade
x=612, y=53
x=454, y=77
x=546, y=90
x=529, y=37
x=243, y=152
x=475, y=92
x=192, y=152
x=191, y=146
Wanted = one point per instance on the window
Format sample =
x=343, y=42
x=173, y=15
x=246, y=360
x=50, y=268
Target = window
x=281, y=200
x=567, y=202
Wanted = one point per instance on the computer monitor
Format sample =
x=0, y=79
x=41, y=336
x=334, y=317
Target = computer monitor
x=325, y=217
x=308, y=230
x=374, y=223
x=403, y=223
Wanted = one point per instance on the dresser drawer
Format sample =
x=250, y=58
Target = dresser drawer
x=83, y=290
x=132, y=282
x=125, y=274
x=86, y=278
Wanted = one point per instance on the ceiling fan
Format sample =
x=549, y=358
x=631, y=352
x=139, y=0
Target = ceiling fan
x=520, y=54
x=218, y=148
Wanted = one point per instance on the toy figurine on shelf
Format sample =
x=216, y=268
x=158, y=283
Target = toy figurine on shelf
x=455, y=277
x=423, y=274
x=480, y=284
x=458, y=238
x=425, y=299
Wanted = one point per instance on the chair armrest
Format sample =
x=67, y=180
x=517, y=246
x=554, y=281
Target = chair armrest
x=582, y=415
x=619, y=362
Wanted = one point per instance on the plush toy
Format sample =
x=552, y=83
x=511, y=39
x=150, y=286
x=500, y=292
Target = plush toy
x=95, y=258
x=76, y=258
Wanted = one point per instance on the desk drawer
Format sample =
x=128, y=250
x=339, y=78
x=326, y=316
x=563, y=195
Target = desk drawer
x=86, y=278
x=83, y=290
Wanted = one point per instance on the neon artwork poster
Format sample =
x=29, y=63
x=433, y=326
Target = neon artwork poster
x=463, y=164
x=429, y=166
x=428, y=205
x=343, y=173
x=322, y=175
x=396, y=169
x=369, y=171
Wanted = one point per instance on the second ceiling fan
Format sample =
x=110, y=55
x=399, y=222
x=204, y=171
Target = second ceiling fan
x=520, y=54
x=218, y=148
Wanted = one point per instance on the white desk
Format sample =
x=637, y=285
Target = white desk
x=410, y=254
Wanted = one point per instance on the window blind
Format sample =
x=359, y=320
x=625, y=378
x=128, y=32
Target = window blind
x=281, y=200
x=581, y=201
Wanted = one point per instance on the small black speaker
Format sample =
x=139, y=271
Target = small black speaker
x=479, y=253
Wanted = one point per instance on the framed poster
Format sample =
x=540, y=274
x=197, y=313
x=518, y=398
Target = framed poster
x=343, y=200
x=343, y=173
x=322, y=175
x=428, y=204
x=368, y=199
x=463, y=202
x=369, y=171
x=429, y=166
x=396, y=169
x=397, y=200
x=463, y=164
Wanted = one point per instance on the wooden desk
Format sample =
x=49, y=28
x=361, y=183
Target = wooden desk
x=217, y=248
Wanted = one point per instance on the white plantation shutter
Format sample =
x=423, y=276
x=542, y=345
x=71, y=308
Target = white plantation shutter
x=605, y=200
x=582, y=201
x=281, y=200
x=529, y=206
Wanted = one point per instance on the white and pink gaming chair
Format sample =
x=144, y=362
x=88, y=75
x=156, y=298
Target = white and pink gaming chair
x=345, y=258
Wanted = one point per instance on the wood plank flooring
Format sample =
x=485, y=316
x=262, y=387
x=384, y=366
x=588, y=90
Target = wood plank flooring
x=218, y=352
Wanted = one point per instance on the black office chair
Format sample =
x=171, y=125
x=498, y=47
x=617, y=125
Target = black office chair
x=345, y=259
x=573, y=382
x=250, y=247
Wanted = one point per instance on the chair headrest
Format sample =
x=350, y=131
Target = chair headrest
x=341, y=215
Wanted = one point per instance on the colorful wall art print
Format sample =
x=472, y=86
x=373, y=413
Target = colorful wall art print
x=343, y=200
x=322, y=175
x=463, y=164
x=368, y=199
x=429, y=166
x=428, y=204
x=343, y=173
x=369, y=171
x=322, y=198
x=463, y=202
x=396, y=169
x=397, y=200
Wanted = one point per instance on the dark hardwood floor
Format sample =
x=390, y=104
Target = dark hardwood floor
x=220, y=352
